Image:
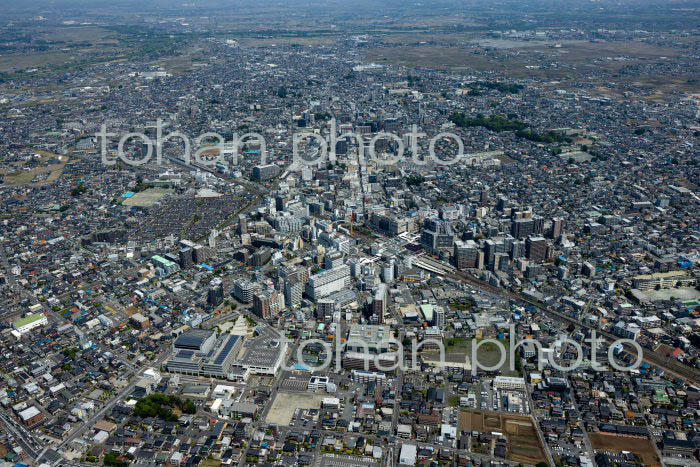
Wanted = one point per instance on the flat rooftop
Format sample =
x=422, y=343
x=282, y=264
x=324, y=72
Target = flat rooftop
x=193, y=338
x=28, y=319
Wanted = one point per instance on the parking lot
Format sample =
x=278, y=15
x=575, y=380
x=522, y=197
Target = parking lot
x=294, y=384
x=334, y=460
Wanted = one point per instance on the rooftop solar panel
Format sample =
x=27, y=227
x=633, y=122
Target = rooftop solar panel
x=185, y=354
x=226, y=350
x=192, y=339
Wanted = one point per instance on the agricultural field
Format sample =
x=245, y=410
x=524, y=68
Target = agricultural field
x=618, y=62
x=54, y=50
x=63, y=47
x=12, y=63
x=523, y=443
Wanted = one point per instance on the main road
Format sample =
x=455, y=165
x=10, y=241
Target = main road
x=6, y=265
x=30, y=445
x=112, y=402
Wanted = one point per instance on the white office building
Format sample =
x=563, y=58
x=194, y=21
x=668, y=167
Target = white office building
x=508, y=382
x=328, y=281
x=29, y=322
x=408, y=454
x=243, y=290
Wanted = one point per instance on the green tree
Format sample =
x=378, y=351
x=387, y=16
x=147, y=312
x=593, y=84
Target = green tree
x=112, y=459
x=189, y=407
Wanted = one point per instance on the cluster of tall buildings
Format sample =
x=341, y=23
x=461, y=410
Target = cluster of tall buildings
x=391, y=225
x=498, y=251
x=437, y=235
x=265, y=172
x=192, y=253
x=268, y=303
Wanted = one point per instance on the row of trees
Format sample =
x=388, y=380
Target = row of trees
x=549, y=137
x=499, y=123
x=496, y=123
x=500, y=87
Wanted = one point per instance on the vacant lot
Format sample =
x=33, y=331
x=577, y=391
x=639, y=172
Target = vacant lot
x=682, y=293
x=523, y=443
x=132, y=310
x=48, y=169
x=147, y=198
x=459, y=350
x=285, y=404
x=210, y=463
x=641, y=447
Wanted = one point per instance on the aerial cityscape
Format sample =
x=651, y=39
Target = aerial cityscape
x=350, y=234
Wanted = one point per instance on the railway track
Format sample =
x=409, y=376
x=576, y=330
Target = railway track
x=670, y=366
